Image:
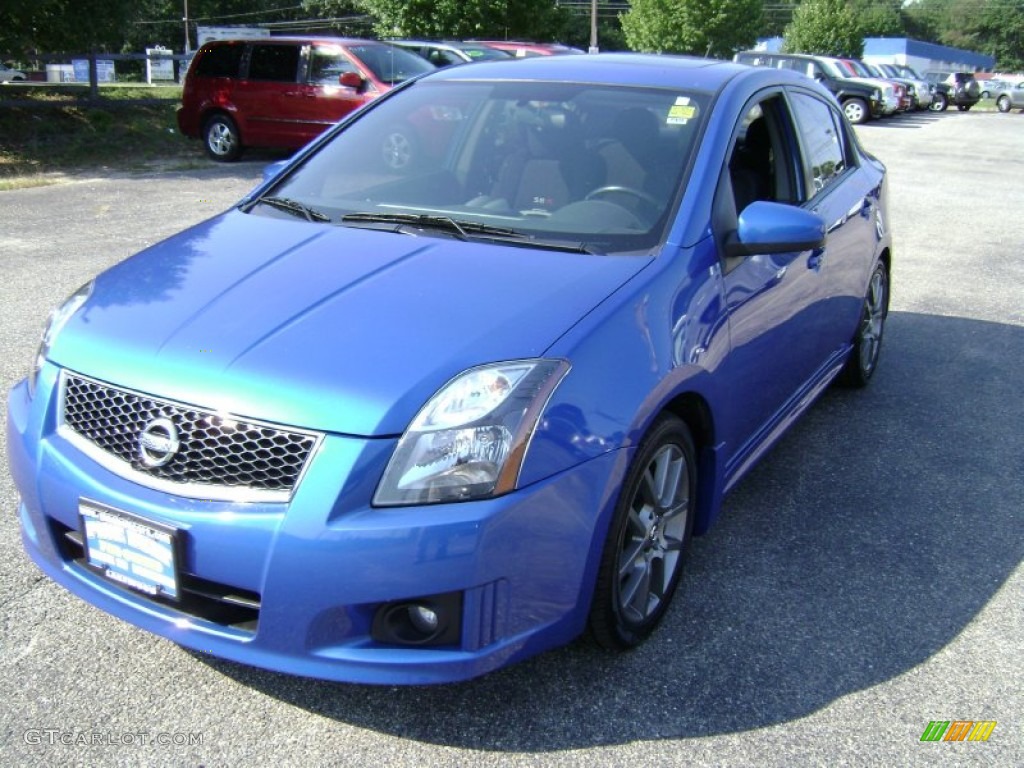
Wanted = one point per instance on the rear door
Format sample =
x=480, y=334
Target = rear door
x=836, y=191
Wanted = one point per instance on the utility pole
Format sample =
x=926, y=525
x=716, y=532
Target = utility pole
x=593, y=27
x=185, y=19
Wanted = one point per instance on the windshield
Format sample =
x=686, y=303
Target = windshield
x=859, y=68
x=390, y=64
x=599, y=166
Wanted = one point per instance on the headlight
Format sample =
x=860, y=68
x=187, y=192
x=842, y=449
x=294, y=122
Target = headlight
x=58, y=319
x=469, y=440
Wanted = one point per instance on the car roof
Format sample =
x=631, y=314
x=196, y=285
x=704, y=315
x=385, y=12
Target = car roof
x=302, y=39
x=615, y=68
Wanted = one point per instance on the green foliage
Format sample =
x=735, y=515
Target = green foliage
x=482, y=19
x=700, y=27
x=877, y=18
x=827, y=27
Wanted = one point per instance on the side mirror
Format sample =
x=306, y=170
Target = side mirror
x=765, y=227
x=351, y=80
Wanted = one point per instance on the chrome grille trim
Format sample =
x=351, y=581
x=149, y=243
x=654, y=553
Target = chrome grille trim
x=223, y=457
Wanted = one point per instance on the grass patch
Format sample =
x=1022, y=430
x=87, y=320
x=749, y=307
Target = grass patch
x=58, y=132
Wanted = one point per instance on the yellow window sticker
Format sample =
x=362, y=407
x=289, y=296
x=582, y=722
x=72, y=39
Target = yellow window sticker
x=681, y=112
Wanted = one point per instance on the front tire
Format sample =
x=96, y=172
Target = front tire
x=856, y=111
x=867, y=341
x=221, y=139
x=1003, y=103
x=646, y=543
x=939, y=103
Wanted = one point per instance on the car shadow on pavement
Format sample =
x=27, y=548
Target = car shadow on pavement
x=906, y=120
x=863, y=544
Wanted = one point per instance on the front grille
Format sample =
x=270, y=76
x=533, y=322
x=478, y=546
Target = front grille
x=212, y=451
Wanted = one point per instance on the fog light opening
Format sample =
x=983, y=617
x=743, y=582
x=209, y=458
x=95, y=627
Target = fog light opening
x=433, y=621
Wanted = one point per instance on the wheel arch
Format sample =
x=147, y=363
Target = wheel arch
x=695, y=411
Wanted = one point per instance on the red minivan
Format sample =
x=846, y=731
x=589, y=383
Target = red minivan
x=283, y=91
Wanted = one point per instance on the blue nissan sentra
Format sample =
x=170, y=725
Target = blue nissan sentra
x=408, y=417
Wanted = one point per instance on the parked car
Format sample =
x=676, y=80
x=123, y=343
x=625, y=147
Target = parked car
x=859, y=70
x=409, y=426
x=920, y=90
x=447, y=53
x=989, y=86
x=284, y=91
x=522, y=50
x=958, y=88
x=1010, y=97
x=8, y=75
x=861, y=101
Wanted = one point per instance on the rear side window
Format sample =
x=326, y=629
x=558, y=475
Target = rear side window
x=279, y=63
x=220, y=61
x=823, y=141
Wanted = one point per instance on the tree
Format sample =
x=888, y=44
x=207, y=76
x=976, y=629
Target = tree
x=877, y=18
x=701, y=27
x=828, y=27
x=501, y=19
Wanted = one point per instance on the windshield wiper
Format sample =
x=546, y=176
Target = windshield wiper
x=462, y=229
x=294, y=206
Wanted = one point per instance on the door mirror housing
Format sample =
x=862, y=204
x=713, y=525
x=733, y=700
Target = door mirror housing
x=765, y=227
x=351, y=80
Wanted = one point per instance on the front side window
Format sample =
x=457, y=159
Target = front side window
x=822, y=141
x=327, y=63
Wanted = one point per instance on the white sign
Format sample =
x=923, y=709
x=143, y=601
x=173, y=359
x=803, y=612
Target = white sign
x=159, y=69
x=206, y=34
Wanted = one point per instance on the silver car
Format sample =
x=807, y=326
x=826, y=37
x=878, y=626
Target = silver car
x=8, y=75
x=1011, y=97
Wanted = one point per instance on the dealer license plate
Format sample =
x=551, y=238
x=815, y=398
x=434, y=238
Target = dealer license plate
x=131, y=551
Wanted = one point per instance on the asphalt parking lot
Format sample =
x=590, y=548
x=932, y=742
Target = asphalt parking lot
x=863, y=580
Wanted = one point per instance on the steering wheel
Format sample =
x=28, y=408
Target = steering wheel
x=618, y=189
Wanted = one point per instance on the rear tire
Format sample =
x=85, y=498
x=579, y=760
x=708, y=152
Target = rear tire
x=646, y=543
x=221, y=139
x=939, y=103
x=1003, y=103
x=867, y=341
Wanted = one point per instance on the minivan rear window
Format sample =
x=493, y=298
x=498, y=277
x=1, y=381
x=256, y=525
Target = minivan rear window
x=220, y=61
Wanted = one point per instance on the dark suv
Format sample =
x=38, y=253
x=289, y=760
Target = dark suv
x=958, y=88
x=860, y=101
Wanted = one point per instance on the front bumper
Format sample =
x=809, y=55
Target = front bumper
x=312, y=573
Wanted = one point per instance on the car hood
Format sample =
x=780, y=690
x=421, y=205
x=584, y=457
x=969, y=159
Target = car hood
x=330, y=328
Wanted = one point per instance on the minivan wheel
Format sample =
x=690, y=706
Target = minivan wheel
x=856, y=111
x=221, y=139
x=939, y=103
x=1003, y=103
x=399, y=149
